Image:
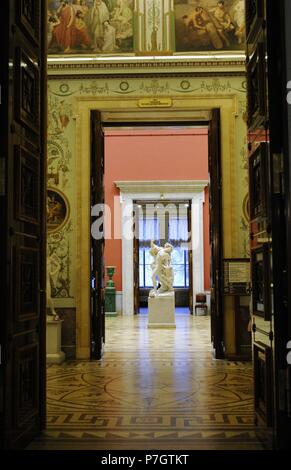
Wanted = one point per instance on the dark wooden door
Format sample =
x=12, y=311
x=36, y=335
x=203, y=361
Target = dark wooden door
x=268, y=57
x=216, y=241
x=260, y=218
x=136, y=296
x=23, y=213
x=284, y=418
x=97, y=238
x=190, y=253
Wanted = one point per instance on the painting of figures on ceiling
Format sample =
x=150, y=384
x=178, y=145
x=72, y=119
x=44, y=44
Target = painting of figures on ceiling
x=90, y=26
x=209, y=25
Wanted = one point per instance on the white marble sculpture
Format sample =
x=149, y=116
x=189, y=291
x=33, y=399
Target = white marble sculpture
x=53, y=267
x=162, y=271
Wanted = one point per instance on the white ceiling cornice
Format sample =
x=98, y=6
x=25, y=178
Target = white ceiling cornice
x=162, y=186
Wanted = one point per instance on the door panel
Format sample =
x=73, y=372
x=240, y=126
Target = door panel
x=216, y=241
x=269, y=164
x=26, y=390
x=136, y=263
x=23, y=213
x=260, y=222
x=97, y=245
x=189, y=219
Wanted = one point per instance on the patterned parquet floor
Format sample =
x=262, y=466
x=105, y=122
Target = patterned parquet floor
x=154, y=389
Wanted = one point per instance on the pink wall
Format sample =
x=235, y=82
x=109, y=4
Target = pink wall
x=170, y=154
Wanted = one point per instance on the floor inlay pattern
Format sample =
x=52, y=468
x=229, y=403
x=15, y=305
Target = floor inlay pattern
x=164, y=391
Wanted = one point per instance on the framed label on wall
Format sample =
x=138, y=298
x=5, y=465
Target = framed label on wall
x=236, y=276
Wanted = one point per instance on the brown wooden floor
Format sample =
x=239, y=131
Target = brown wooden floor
x=154, y=389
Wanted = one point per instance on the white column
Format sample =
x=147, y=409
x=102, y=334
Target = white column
x=127, y=242
x=197, y=243
x=127, y=255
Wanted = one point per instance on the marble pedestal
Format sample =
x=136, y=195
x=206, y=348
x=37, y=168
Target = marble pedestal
x=162, y=311
x=110, y=302
x=54, y=355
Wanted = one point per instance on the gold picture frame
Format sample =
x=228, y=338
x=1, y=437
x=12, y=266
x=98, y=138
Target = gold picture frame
x=58, y=210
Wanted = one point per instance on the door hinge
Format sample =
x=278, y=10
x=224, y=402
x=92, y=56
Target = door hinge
x=278, y=173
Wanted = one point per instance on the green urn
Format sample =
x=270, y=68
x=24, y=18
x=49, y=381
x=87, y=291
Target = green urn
x=110, y=274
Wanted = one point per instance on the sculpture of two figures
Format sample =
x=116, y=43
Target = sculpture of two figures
x=161, y=269
x=53, y=267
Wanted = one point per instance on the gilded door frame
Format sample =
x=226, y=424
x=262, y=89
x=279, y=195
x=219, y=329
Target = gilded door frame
x=83, y=106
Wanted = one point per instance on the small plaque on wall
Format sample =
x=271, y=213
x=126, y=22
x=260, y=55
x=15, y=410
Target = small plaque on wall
x=155, y=103
x=237, y=276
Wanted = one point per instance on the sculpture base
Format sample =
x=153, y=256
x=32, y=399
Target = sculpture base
x=54, y=355
x=58, y=358
x=111, y=314
x=110, y=300
x=162, y=311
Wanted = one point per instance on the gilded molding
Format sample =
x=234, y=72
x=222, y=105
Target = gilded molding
x=70, y=106
x=80, y=76
x=78, y=70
